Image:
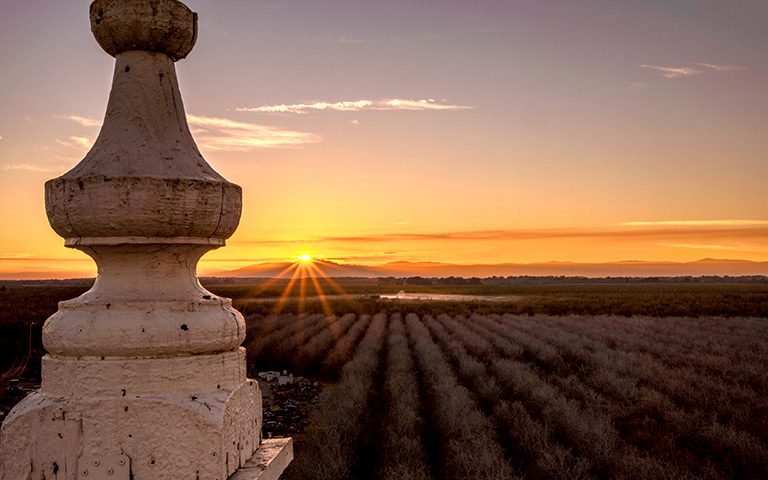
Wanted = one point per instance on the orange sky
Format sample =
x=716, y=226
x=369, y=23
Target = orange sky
x=464, y=132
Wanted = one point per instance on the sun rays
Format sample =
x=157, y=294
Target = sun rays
x=305, y=281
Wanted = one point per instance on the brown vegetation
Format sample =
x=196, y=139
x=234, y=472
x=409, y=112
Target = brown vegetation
x=465, y=390
x=625, y=299
x=331, y=449
x=505, y=396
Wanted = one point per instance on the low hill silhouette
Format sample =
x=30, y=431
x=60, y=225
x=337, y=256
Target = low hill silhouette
x=628, y=268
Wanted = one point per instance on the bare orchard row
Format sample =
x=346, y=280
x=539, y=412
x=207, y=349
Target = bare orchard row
x=504, y=397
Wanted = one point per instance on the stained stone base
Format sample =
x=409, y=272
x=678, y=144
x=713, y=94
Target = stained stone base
x=196, y=417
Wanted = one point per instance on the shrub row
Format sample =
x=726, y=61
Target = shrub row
x=403, y=456
x=469, y=447
x=330, y=448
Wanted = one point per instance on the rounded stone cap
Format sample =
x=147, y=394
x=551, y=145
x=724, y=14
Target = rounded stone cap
x=166, y=26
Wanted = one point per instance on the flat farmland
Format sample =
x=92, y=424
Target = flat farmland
x=564, y=382
x=509, y=396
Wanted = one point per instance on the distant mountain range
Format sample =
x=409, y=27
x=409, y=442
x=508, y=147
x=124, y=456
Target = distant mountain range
x=706, y=266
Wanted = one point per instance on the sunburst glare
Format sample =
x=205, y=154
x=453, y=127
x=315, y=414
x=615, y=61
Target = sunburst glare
x=306, y=266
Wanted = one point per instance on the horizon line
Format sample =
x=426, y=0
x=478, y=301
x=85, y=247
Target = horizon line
x=624, y=269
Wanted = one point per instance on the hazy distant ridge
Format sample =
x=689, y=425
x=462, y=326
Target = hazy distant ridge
x=436, y=269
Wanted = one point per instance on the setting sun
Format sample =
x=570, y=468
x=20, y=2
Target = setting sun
x=413, y=239
x=657, y=140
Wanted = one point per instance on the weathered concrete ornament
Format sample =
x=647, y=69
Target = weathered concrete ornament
x=145, y=377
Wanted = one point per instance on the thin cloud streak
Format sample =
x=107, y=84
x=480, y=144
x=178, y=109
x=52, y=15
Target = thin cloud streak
x=429, y=104
x=685, y=71
x=697, y=223
x=76, y=142
x=301, y=108
x=757, y=233
x=215, y=133
x=230, y=135
x=27, y=257
x=698, y=246
x=673, y=72
x=83, y=142
x=84, y=121
x=356, y=106
x=720, y=68
x=362, y=258
x=31, y=168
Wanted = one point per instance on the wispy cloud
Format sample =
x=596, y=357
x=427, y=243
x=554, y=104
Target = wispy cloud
x=690, y=233
x=76, y=142
x=363, y=258
x=689, y=71
x=673, y=72
x=28, y=257
x=84, y=142
x=28, y=167
x=230, y=135
x=15, y=256
x=343, y=106
x=719, y=67
x=428, y=104
x=84, y=121
x=699, y=246
x=215, y=133
x=698, y=223
x=358, y=105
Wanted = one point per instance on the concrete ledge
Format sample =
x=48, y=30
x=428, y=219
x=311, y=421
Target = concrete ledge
x=268, y=462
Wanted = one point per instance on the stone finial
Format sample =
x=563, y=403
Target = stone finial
x=144, y=179
x=166, y=26
x=144, y=203
x=145, y=377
